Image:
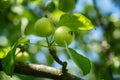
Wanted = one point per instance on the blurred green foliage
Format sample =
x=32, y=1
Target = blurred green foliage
x=17, y=18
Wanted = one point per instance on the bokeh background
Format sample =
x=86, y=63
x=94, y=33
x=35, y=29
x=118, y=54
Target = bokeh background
x=101, y=45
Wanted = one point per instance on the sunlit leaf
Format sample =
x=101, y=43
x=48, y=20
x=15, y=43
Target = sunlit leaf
x=24, y=40
x=75, y=22
x=8, y=63
x=82, y=62
x=4, y=52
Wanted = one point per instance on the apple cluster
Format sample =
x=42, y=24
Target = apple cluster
x=63, y=35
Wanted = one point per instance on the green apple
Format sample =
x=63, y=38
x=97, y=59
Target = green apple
x=55, y=15
x=43, y=27
x=21, y=57
x=63, y=35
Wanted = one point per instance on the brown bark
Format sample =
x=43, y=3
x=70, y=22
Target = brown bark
x=38, y=70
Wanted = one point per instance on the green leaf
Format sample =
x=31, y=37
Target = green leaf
x=24, y=40
x=82, y=62
x=30, y=28
x=50, y=6
x=8, y=63
x=75, y=22
x=4, y=51
x=66, y=5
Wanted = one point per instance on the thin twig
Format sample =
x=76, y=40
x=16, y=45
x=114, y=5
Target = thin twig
x=54, y=55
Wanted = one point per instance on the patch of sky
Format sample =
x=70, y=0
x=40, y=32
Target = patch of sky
x=34, y=39
x=81, y=4
x=93, y=56
x=55, y=64
x=34, y=6
x=73, y=44
x=63, y=56
x=95, y=34
x=31, y=6
x=107, y=7
x=41, y=57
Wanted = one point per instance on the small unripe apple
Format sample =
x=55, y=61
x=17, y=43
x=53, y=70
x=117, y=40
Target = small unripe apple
x=63, y=35
x=55, y=15
x=43, y=27
x=22, y=57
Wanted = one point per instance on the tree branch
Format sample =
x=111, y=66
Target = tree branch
x=53, y=53
x=42, y=71
x=64, y=64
